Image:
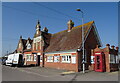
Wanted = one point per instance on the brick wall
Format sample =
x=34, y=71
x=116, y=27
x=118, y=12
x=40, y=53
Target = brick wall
x=62, y=65
x=31, y=62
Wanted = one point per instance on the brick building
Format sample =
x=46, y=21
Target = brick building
x=105, y=60
x=62, y=50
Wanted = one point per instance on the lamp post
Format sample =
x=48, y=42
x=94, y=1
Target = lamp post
x=83, y=59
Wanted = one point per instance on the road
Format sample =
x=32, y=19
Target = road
x=49, y=74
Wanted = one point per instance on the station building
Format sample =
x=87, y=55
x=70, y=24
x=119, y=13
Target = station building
x=63, y=50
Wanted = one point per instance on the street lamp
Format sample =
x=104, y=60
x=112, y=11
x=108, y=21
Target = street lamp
x=83, y=60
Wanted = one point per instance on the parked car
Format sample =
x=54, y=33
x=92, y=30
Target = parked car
x=4, y=60
x=15, y=59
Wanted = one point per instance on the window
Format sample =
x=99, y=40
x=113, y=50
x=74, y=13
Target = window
x=49, y=58
x=28, y=58
x=56, y=58
x=117, y=59
x=73, y=59
x=40, y=58
x=66, y=58
x=35, y=56
x=28, y=46
x=33, y=46
x=112, y=58
x=36, y=46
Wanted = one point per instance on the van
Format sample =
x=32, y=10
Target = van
x=15, y=59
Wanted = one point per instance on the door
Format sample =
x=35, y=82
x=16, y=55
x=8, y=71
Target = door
x=99, y=62
x=20, y=60
x=38, y=60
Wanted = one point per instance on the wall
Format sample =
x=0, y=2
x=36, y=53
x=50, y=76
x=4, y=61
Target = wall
x=62, y=65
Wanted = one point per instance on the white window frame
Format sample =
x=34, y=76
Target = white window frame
x=28, y=57
x=66, y=59
x=36, y=45
x=49, y=58
x=35, y=57
x=117, y=59
x=56, y=58
x=41, y=58
x=73, y=59
x=112, y=58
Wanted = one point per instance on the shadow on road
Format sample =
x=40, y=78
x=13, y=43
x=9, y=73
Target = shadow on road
x=77, y=74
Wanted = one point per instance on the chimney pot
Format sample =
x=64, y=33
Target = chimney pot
x=21, y=37
x=112, y=47
x=117, y=48
x=107, y=44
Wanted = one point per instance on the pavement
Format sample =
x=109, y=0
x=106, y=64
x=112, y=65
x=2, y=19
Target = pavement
x=51, y=74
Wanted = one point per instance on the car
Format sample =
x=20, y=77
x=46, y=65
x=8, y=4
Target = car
x=4, y=60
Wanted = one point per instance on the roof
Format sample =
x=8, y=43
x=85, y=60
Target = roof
x=30, y=41
x=24, y=41
x=65, y=40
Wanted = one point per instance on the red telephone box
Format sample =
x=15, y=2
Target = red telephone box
x=99, y=62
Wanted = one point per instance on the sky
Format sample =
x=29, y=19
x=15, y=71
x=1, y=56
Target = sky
x=20, y=18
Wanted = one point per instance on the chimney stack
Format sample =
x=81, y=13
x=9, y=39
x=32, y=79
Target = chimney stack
x=70, y=25
x=108, y=45
x=117, y=48
x=112, y=46
x=21, y=37
x=45, y=29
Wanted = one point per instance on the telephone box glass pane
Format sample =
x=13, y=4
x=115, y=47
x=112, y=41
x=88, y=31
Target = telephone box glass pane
x=98, y=62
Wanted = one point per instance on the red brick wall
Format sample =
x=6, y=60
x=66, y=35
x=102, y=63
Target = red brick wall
x=67, y=66
x=62, y=65
x=31, y=62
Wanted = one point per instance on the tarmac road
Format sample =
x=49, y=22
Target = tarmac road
x=49, y=74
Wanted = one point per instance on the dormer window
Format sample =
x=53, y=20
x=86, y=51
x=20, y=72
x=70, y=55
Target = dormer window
x=28, y=46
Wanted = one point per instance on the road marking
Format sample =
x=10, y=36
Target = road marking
x=113, y=73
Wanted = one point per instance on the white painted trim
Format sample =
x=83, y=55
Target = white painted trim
x=98, y=53
x=39, y=53
x=60, y=52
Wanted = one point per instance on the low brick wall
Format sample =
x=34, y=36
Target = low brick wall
x=114, y=67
